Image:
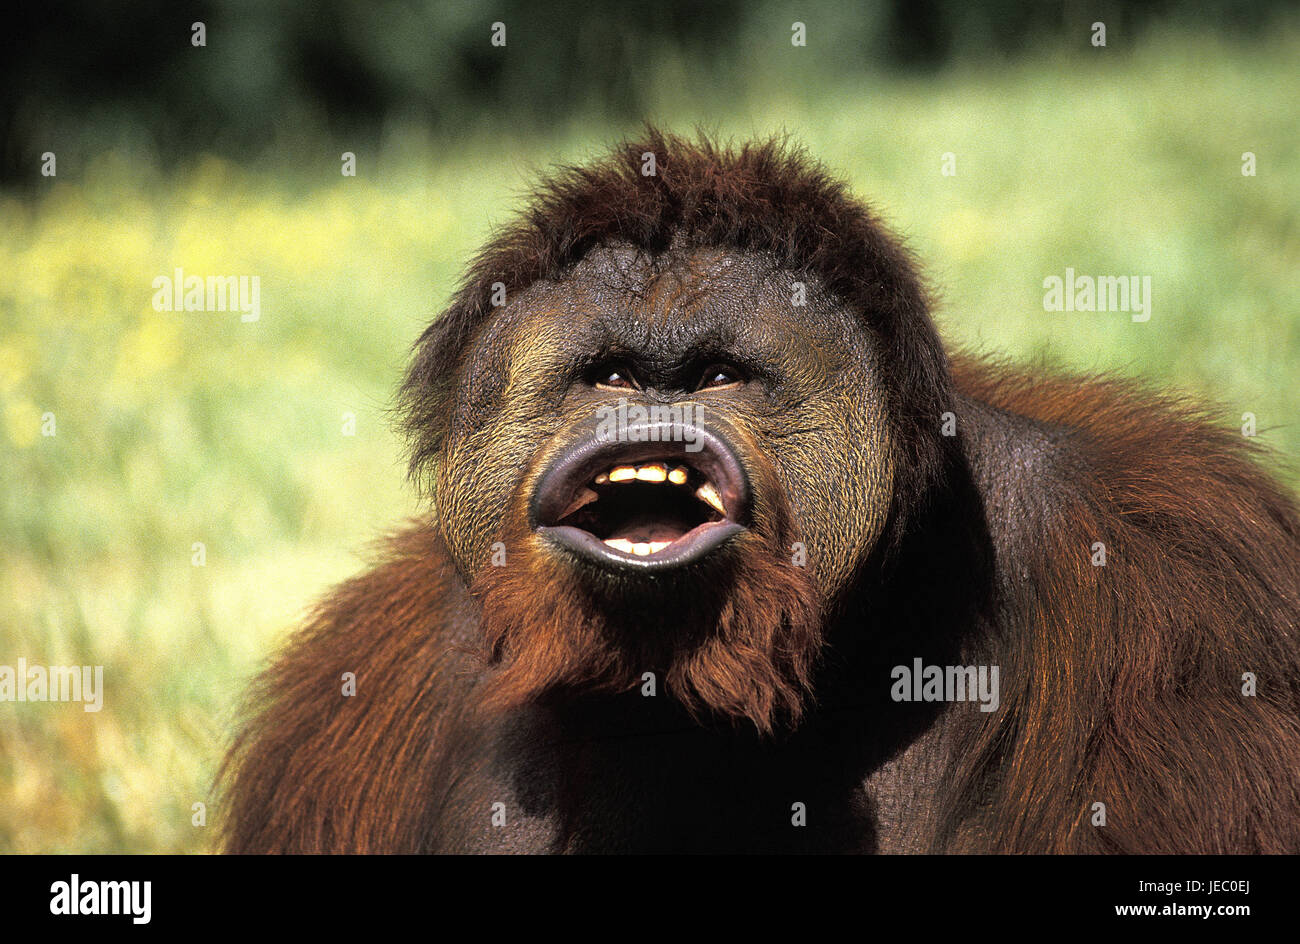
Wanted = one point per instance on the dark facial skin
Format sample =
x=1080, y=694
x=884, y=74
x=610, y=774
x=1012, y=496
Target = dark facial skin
x=803, y=392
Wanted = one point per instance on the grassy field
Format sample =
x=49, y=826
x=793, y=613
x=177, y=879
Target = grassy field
x=177, y=428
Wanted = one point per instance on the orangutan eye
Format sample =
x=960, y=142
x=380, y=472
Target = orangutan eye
x=615, y=379
x=719, y=375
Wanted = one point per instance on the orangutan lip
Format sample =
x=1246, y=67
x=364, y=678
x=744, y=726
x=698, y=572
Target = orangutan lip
x=692, y=546
x=646, y=505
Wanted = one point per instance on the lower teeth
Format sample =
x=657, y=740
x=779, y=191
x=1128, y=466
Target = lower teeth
x=640, y=550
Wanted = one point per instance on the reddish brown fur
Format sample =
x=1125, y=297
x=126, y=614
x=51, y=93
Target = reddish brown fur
x=1129, y=676
x=315, y=773
x=1121, y=684
x=746, y=649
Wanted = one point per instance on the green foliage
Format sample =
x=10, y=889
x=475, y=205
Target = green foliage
x=176, y=428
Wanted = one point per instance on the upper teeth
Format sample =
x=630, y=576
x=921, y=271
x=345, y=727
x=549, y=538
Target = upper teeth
x=709, y=495
x=649, y=472
x=584, y=497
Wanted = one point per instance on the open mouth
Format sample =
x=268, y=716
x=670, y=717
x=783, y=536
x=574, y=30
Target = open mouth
x=648, y=505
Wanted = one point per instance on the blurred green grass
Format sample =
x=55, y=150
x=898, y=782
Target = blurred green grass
x=175, y=428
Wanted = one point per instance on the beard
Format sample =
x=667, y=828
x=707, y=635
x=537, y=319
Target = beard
x=735, y=636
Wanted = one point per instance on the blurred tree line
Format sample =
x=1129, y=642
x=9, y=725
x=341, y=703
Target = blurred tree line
x=90, y=75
